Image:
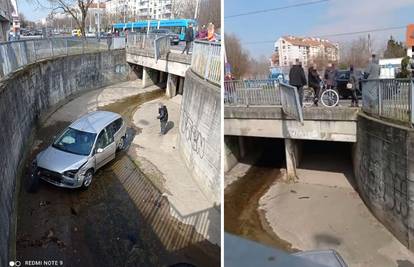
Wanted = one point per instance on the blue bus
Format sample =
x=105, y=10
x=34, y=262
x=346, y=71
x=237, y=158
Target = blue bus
x=177, y=26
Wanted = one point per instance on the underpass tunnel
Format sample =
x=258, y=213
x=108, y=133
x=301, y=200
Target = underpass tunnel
x=308, y=161
x=255, y=151
x=324, y=162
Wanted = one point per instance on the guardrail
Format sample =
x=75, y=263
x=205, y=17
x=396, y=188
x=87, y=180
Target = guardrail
x=290, y=101
x=142, y=41
x=161, y=46
x=206, y=61
x=17, y=54
x=391, y=99
x=252, y=92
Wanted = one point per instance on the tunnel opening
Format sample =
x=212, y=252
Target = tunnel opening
x=256, y=151
x=325, y=162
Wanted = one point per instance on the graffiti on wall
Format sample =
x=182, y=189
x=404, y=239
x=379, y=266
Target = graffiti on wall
x=382, y=176
x=192, y=135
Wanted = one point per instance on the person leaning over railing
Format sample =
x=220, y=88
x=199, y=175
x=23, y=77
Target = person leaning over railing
x=297, y=78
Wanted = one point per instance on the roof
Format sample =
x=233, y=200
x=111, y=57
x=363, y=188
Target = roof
x=94, y=122
x=309, y=41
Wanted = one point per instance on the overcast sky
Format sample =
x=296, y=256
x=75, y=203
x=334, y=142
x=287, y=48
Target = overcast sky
x=330, y=17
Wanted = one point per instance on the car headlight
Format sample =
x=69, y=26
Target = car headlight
x=70, y=173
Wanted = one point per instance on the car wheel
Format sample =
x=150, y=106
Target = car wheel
x=121, y=144
x=87, y=180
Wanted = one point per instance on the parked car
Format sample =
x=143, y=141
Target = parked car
x=174, y=38
x=342, y=79
x=85, y=146
x=76, y=33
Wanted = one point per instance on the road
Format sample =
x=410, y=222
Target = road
x=123, y=219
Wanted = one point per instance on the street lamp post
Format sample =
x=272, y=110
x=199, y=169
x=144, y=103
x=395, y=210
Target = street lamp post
x=99, y=20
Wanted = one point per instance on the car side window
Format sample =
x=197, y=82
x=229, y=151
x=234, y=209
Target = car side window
x=104, y=139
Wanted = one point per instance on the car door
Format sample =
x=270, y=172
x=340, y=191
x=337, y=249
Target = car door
x=105, y=148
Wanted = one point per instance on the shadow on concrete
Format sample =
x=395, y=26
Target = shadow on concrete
x=169, y=126
x=404, y=263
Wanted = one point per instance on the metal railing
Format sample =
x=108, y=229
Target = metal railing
x=161, y=46
x=17, y=54
x=252, y=92
x=142, y=41
x=389, y=98
x=206, y=61
x=290, y=101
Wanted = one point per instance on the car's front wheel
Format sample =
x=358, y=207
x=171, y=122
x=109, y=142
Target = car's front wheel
x=87, y=180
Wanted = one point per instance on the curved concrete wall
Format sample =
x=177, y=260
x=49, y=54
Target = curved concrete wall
x=199, y=133
x=23, y=97
x=384, y=172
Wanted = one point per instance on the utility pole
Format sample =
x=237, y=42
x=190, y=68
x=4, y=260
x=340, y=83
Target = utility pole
x=99, y=20
x=196, y=9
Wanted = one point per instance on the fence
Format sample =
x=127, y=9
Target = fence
x=14, y=55
x=142, y=41
x=206, y=61
x=252, y=92
x=389, y=98
x=162, y=46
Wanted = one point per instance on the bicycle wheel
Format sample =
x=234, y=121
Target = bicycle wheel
x=308, y=97
x=329, y=98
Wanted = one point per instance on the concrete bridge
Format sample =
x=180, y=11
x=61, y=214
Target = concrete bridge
x=157, y=62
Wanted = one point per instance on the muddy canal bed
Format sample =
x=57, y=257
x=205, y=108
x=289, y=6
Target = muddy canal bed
x=121, y=220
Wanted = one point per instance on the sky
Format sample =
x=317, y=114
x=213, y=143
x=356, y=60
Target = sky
x=31, y=9
x=324, y=18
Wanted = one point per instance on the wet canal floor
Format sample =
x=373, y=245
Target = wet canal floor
x=121, y=220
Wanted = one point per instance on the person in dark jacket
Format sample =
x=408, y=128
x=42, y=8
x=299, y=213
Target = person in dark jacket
x=330, y=76
x=163, y=117
x=314, y=81
x=353, y=84
x=297, y=78
x=189, y=38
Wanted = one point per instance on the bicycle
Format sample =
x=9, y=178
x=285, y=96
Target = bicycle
x=329, y=97
x=308, y=96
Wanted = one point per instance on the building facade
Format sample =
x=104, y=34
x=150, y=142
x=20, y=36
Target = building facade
x=306, y=49
x=6, y=19
x=133, y=10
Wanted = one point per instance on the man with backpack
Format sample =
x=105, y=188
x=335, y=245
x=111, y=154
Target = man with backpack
x=163, y=117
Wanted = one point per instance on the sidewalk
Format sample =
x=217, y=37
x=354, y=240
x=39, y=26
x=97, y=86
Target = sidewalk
x=159, y=158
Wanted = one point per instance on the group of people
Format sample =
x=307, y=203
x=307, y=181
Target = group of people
x=298, y=79
x=205, y=33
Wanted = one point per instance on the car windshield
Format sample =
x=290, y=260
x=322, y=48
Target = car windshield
x=75, y=141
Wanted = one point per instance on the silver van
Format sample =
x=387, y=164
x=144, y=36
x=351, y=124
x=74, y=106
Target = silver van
x=84, y=147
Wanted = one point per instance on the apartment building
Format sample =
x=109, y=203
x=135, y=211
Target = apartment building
x=306, y=49
x=132, y=10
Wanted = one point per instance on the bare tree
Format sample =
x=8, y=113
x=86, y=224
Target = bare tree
x=183, y=8
x=356, y=53
x=208, y=11
x=236, y=56
x=77, y=9
x=259, y=68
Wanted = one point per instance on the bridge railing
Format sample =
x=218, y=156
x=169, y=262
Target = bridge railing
x=391, y=99
x=142, y=41
x=290, y=101
x=161, y=46
x=206, y=61
x=17, y=54
x=252, y=92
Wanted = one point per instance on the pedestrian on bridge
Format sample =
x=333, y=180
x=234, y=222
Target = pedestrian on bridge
x=373, y=69
x=314, y=81
x=297, y=78
x=189, y=38
x=163, y=117
x=353, y=85
x=109, y=41
x=330, y=76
